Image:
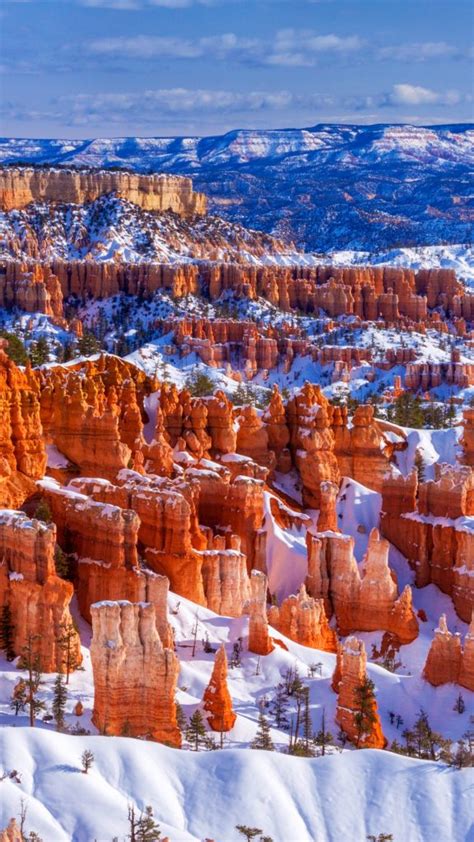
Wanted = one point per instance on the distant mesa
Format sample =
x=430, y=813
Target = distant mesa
x=19, y=186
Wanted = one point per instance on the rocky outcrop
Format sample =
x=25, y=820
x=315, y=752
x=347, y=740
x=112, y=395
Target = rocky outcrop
x=303, y=619
x=312, y=442
x=217, y=700
x=22, y=448
x=362, y=451
x=103, y=538
x=364, y=602
x=260, y=641
x=446, y=661
x=431, y=523
x=37, y=597
x=467, y=440
x=352, y=672
x=35, y=290
x=224, y=575
x=19, y=186
x=135, y=676
x=11, y=833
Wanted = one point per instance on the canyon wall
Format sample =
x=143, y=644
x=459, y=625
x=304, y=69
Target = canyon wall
x=19, y=186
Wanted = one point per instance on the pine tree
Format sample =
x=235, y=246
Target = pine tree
x=59, y=701
x=61, y=563
x=147, y=829
x=65, y=643
x=365, y=715
x=39, y=352
x=14, y=348
x=196, y=731
x=323, y=738
x=181, y=720
x=28, y=698
x=279, y=706
x=7, y=632
x=87, y=759
x=43, y=512
x=460, y=704
x=419, y=466
x=262, y=739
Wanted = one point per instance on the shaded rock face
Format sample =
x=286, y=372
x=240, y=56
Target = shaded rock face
x=303, y=619
x=431, y=525
x=224, y=575
x=364, y=602
x=22, y=448
x=447, y=661
x=33, y=289
x=37, y=597
x=217, y=701
x=19, y=187
x=312, y=442
x=260, y=641
x=467, y=440
x=361, y=450
x=351, y=673
x=135, y=676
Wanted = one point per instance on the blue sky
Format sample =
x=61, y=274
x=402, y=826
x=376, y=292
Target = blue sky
x=88, y=68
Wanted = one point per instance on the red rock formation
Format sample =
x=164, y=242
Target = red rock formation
x=224, y=576
x=312, y=442
x=135, y=676
x=439, y=548
x=327, y=518
x=352, y=673
x=260, y=641
x=217, y=699
x=21, y=185
x=362, y=451
x=277, y=429
x=11, y=833
x=303, y=619
x=252, y=437
x=466, y=675
x=360, y=603
x=36, y=290
x=443, y=663
x=467, y=440
x=38, y=598
x=22, y=450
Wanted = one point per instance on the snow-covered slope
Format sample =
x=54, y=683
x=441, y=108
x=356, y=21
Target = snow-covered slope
x=327, y=187
x=195, y=796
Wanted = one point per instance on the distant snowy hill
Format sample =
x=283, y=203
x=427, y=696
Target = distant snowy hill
x=327, y=188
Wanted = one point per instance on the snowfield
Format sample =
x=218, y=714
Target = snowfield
x=204, y=795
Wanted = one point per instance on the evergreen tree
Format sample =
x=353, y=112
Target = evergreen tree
x=66, y=644
x=181, y=720
x=262, y=739
x=61, y=563
x=279, y=706
x=460, y=704
x=43, y=512
x=15, y=348
x=59, y=701
x=420, y=466
x=323, y=738
x=7, y=632
x=88, y=344
x=87, y=759
x=196, y=731
x=365, y=715
x=39, y=352
x=27, y=697
x=199, y=384
x=144, y=828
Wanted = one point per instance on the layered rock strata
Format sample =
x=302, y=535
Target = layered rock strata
x=19, y=186
x=135, y=676
x=260, y=641
x=38, y=599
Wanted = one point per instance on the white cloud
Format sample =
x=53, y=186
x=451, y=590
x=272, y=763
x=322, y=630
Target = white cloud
x=405, y=94
x=423, y=51
x=289, y=47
